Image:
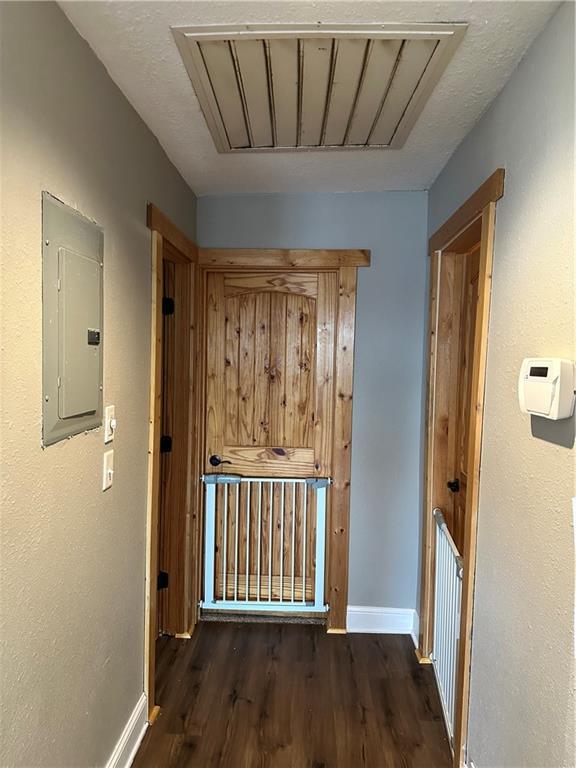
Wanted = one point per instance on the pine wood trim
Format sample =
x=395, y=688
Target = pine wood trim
x=153, y=495
x=196, y=462
x=159, y=222
x=338, y=524
x=472, y=495
x=426, y=628
x=268, y=258
x=198, y=446
x=338, y=513
x=489, y=192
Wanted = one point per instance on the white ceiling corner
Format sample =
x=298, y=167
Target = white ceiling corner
x=134, y=41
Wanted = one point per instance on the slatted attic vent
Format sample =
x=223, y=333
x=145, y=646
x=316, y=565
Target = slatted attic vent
x=273, y=88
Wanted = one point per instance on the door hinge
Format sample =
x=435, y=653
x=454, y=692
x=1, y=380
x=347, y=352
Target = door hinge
x=165, y=444
x=162, y=581
x=167, y=305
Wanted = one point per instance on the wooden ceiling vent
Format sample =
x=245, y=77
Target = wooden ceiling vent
x=288, y=87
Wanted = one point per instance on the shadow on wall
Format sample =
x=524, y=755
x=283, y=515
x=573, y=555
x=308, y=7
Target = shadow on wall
x=557, y=432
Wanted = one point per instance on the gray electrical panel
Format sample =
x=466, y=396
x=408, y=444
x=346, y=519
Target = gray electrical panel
x=72, y=278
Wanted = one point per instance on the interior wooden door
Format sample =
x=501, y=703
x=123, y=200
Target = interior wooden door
x=174, y=440
x=270, y=362
x=270, y=372
x=458, y=482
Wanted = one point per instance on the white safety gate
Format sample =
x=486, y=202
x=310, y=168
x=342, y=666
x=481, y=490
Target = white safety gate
x=264, y=544
x=447, y=604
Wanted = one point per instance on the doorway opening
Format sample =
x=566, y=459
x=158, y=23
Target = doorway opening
x=173, y=488
x=252, y=371
x=460, y=279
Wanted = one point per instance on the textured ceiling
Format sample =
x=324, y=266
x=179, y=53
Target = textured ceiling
x=135, y=43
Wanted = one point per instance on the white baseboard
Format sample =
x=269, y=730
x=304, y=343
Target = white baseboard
x=385, y=621
x=133, y=733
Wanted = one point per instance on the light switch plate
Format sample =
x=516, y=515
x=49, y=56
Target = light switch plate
x=108, y=470
x=109, y=423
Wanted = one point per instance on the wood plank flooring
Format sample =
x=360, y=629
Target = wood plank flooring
x=291, y=696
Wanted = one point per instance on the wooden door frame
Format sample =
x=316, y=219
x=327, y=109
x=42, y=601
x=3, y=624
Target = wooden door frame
x=345, y=263
x=481, y=206
x=162, y=230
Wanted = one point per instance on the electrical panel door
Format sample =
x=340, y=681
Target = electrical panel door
x=72, y=321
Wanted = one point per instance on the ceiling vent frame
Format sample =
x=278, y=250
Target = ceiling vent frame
x=446, y=37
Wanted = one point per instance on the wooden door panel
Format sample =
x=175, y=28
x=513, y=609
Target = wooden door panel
x=270, y=372
x=174, y=464
x=281, y=282
x=264, y=461
x=260, y=424
x=247, y=430
x=464, y=394
x=277, y=373
x=215, y=392
x=231, y=368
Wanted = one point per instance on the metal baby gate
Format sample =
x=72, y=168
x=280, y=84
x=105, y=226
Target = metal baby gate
x=264, y=545
x=447, y=605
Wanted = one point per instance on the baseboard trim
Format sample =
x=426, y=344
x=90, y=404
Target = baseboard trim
x=385, y=621
x=133, y=733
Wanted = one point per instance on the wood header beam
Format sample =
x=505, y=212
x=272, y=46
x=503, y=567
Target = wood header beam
x=269, y=258
x=159, y=222
x=489, y=192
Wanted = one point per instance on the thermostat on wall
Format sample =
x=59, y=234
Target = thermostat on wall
x=546, y=387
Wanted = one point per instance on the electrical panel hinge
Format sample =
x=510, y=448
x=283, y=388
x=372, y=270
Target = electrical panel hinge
x=165, y=444
x=162, y=581
x=167, y=305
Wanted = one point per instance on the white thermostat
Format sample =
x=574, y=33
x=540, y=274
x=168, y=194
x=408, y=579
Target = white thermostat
x=546, y=387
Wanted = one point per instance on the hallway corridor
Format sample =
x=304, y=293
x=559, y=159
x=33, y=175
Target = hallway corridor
x=292, y=696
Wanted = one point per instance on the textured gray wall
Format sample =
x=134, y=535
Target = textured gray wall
x=72, y=557
x=522, y=706
x=386, y=452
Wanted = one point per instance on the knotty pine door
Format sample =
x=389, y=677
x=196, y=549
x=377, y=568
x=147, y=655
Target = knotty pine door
x=270, y=372
x=459, y=470
x=270, y=361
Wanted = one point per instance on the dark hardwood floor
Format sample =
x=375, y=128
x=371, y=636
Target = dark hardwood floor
x=292, y=696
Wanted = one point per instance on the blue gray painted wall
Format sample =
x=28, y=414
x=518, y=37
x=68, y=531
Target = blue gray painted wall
x=388, y=376
x=524, y=605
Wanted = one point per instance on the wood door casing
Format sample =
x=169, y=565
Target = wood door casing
x=270, y=372
x=336, y=272
x=180, y=539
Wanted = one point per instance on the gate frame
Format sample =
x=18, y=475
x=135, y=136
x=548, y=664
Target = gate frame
x=210, y=602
